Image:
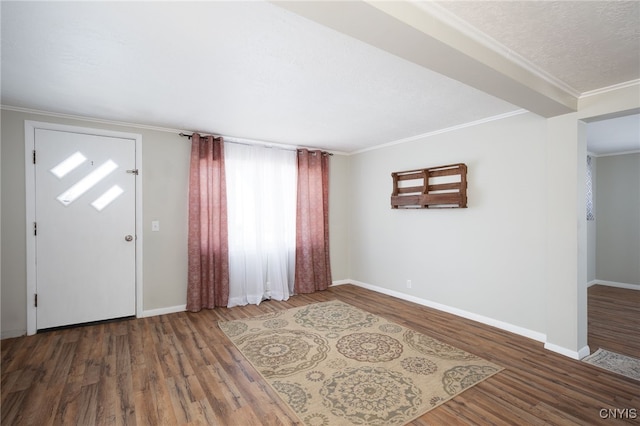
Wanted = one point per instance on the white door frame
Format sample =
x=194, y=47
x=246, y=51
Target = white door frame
x=30, y=187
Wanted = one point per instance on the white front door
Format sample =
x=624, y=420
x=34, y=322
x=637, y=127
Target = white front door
x=85, y=227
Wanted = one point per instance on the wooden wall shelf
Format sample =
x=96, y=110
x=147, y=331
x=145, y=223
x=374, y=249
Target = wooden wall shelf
x=435, y=187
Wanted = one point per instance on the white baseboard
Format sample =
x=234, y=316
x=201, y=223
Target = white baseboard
x=615, y=284
x=340, y=282
x=164, y=311
x=586, y=350
x=567, y=352
x=535, y=335
x=530, y=334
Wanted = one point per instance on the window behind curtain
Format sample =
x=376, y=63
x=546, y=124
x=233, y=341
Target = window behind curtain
x=590, y=211
x=261, y=207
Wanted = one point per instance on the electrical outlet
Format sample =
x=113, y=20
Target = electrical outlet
x=155, y=225
x=408, y=283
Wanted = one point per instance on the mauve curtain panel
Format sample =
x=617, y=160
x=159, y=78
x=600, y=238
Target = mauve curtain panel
x=313, y=269
x=208, y=276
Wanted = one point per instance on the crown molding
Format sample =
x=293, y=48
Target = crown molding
x=156, y=128
x=611, y=88
x=459, y=24
x=445, y=130
x=613, y=154
x=91, y=119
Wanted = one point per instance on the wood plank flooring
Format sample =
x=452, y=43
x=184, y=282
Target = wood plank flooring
x=181, y=369
x=614, y=319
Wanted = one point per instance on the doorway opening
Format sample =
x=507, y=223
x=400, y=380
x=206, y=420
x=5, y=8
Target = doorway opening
x=612, y=228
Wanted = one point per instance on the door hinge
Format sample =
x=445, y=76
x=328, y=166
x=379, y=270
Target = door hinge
x=34, y=156
x=133, y=171
x=35, y=228
x=35, y=302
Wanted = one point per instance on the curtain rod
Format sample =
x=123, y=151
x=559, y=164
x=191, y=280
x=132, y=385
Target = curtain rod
x=184, y=135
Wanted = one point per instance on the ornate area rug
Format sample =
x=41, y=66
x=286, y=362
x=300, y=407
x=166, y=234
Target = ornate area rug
x=335, y=364
x=621, y=364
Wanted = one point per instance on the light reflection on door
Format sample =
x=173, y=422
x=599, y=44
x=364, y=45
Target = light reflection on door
x=107, y=198
x=72, y=162
x=68, y=165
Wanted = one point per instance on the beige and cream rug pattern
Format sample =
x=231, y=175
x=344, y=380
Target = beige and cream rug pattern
x=618, y=363
x=335, y=364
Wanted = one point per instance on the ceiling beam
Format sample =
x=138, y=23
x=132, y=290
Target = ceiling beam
x=415, y=33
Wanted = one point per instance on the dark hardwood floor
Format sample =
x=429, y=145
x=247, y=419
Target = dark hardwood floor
x=614, y=320
x=181, y=369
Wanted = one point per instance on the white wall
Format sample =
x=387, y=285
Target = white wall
x=339, y=205
x=530, y=254
x=618, y=219
x=164, y=179
x=564, y=190
x=165, y=165
x=487, y=259
x=592, y=225
x=566, y=263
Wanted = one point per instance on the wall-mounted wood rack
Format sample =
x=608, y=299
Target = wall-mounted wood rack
x=435, y=187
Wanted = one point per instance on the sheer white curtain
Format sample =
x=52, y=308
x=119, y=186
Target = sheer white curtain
x=261, y=210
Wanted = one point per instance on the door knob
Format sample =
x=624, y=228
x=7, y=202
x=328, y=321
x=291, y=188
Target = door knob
x=128, y=238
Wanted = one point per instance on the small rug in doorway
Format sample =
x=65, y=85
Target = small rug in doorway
x=621, y=364
x=335, y=364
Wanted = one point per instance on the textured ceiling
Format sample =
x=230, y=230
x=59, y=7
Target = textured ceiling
x=254, y=70
x=587, y=45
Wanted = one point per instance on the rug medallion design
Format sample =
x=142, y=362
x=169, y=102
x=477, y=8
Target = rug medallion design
x=335, y=364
